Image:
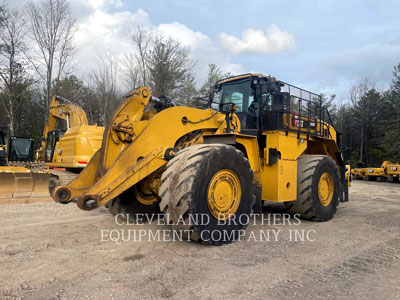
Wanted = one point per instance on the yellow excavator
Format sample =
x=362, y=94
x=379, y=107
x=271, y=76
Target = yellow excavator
x=260, y=140
x=67, y=145
x=21, y=178
x=68, y=141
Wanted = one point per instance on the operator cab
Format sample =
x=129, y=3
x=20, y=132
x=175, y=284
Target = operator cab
x=264, y=104
x=14, y=149
x=241, y=93
x=52, y=138
x=21, y=149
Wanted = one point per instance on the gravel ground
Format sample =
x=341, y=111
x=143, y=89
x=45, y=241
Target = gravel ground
x=52, y=251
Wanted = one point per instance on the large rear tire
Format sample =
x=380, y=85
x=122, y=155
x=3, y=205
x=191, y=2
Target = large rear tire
x=317, y=188
x=210, y=187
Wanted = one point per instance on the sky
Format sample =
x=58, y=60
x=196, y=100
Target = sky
x=322, y=45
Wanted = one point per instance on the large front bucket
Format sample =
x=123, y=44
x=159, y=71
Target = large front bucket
x=21, y=185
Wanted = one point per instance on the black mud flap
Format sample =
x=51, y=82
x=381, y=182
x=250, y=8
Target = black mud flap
x=344, y=187
x=346, y=192
x=257, y=207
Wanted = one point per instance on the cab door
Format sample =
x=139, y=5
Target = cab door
x=52, y=138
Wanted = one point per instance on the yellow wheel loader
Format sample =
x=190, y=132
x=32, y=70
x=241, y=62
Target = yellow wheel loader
x=260, y=140
x=21, y=179
x=68, y=141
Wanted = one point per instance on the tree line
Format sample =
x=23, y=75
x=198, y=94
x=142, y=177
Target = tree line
x=369, y=122
x=36, y=62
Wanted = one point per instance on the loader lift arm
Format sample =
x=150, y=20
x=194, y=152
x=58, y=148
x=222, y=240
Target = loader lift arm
x=141, y=148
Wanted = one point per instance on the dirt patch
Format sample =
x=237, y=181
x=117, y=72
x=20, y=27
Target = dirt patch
x=53, y=251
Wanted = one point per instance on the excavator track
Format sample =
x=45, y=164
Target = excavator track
x=60, y=177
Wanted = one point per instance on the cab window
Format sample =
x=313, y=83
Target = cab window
x=237, y=93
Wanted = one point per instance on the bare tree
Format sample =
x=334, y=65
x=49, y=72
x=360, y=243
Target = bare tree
x=105, y=84
x=142, y=40
x=131, y=71
x=14, y=81
x=91, y=103
x=52, y=27
x=358, y=98
x=168, y=64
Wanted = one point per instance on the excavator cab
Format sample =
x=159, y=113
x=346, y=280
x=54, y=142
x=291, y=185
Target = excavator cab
x=52, y=138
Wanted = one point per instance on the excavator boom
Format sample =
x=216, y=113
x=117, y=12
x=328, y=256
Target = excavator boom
x=61, y=109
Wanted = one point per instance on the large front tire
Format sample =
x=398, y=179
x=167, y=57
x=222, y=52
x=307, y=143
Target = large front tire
x=317, y=188
x=210, y=188
x=130, y=203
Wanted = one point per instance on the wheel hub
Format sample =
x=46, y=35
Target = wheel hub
x=224, y=194
x=143, y=195
x=325, y=189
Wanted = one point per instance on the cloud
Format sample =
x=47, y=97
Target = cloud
x=273, y=40
x=184, y=35
x=338, y=71
x=97, y=4
x=101, y=31
x=202, y=49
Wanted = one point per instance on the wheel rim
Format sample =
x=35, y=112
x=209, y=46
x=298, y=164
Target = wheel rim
x=224, y=193
x=145, y=199
x=325, y=189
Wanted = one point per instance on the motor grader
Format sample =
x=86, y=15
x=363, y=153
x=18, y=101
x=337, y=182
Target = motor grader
x=260, y=140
